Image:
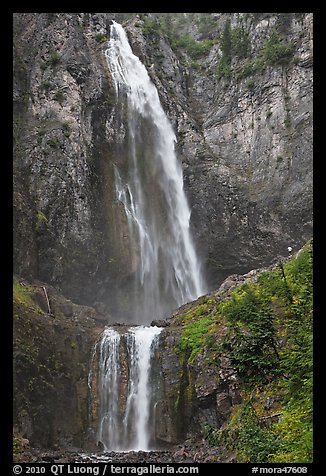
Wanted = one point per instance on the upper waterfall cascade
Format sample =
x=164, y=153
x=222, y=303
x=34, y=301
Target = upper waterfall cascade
x=150, y=187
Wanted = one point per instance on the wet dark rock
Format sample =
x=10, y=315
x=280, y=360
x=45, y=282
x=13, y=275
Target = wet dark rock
x=100, y=445
x=202, y=453
x=101, y=318
x=40, y=299
x=160, y=323
x=51, y=365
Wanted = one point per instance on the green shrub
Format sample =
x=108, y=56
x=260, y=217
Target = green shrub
x=41, y=221
x=194, y=336
x=15, y=445
x=275, y=51
x=240, y=43
x=23, y=294
x=53, y=142
x=248, y=69
x=40, y=134
x=245, y=434
x=270, y=344
x=195, y=49
x=252, y=440
x=226, y=43
x=53, y=59
x=287, y=121
x=47, y=85
x=294, y=432
x=235, y=43
x=101, y=37
x=251, y=339
x=224, y=67
x=250, y=85
x=150, y=27
x=66, y=128
x=41, y=217
x=59, y=96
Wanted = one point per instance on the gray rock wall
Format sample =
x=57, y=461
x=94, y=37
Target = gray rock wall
x=62, y=150
x=51, y=356
x=245, y=144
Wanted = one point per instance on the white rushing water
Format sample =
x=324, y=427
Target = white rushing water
x=142, y=343
x=126, y=426
x=151, y=190
x=109, y=375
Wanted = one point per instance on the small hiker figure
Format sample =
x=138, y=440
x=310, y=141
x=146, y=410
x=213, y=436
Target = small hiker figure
x=290, y=250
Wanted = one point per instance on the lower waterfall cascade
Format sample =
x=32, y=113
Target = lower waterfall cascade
x=126, y=425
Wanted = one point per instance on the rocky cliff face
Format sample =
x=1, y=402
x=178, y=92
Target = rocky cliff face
x=51, y=356
x=245, y=130
x=238, y=90
x=62, y=97
x=245, y=347
x=192, y=392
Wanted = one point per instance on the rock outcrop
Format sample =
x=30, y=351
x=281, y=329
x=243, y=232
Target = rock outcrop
x=51, y=356
x=63, y=101
x=192, y=392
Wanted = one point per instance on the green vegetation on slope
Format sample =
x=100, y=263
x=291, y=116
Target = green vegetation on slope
x=182, y=43
x=22, y=295
x=192, y=36
x=266, y=332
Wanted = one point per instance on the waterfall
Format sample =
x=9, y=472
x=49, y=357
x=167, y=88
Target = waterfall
x=109, y=373
x=126, y=427
x=150, y=187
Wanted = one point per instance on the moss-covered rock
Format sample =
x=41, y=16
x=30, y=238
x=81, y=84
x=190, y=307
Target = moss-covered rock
x=243, y=357
x=51, y=364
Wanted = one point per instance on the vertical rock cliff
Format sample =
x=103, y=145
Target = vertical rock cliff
x=63, y=101
x=238, y=90
x=241, y=90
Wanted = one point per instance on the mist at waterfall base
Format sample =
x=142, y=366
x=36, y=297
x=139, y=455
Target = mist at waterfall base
x=167, y=271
